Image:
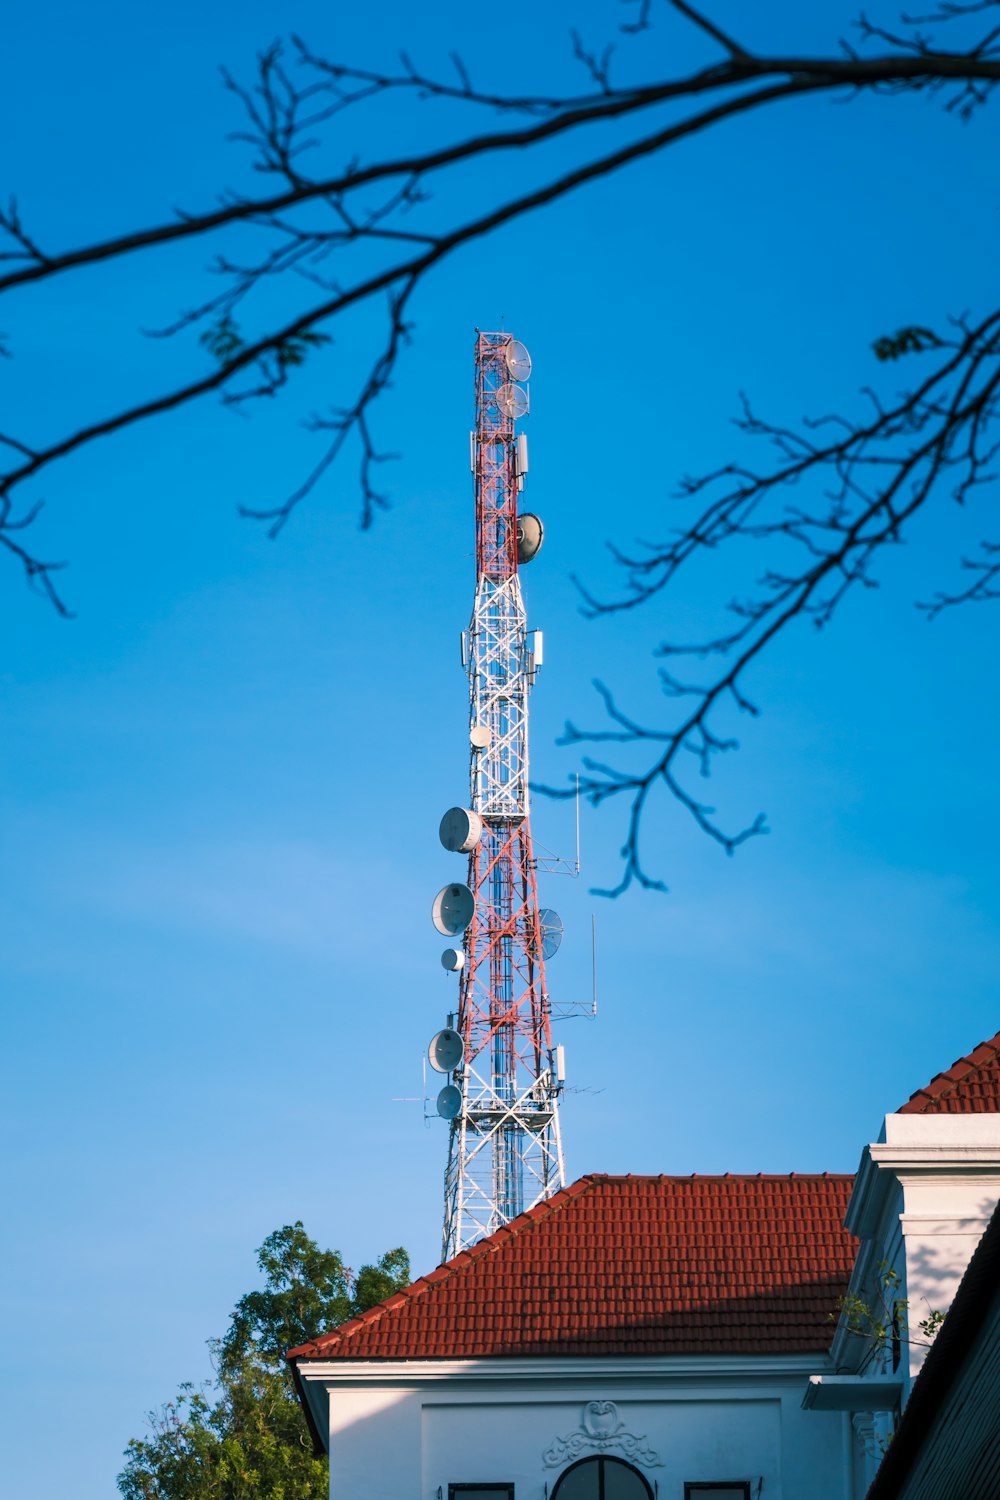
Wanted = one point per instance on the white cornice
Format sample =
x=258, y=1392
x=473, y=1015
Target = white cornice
x=945, y=1158
x=882, y=1164
x=553, y=1369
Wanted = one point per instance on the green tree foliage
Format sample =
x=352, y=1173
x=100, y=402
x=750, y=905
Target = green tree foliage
x=885, y=1322
x=910, y=340
x=244, y=1437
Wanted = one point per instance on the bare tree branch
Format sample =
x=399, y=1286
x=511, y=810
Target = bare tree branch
x=871, y=478
x=984, y=587
x=248, y=355
x=715, y=32
x=826, y=74
x=344, y=422
x=359, y=234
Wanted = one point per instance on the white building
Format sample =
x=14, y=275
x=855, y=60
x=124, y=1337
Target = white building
x=947, y=1444
x=669, y=1338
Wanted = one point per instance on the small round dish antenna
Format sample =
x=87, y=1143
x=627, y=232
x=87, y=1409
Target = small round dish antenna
x=512, y=400
x=446, y=1051
x=480, y=737
x=460, y=830
x=551, y=929
x=453, y=959
x=449, y=1102
x=530, y=535
x=453, y=909
x=518, y=360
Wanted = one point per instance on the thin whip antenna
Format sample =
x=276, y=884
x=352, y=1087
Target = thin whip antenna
x=593, y=959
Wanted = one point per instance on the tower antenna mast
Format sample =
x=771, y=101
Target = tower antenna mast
x=502, y=1098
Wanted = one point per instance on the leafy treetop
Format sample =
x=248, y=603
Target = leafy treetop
x=243, y=1436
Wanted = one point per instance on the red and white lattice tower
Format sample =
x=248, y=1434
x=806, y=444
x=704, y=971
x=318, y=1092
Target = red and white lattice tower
x=504, y=1149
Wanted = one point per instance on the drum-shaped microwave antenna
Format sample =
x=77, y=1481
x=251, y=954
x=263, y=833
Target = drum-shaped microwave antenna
x=449, y=1102
x=530, y=535
x=512, y=400
x=446, y=1051
x=453, y=959
x=480, y=736
x=518, y=360
x=460, y=830
x=453, y=909
x=551, y=929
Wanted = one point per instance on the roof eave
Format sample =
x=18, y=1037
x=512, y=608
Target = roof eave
x=305, y=1394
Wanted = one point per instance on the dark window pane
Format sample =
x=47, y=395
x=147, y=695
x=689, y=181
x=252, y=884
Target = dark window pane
x=621, y=1482
x=481, y=1492
x=581, y=1482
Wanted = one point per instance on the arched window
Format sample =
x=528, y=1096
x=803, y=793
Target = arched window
x=601, y=1479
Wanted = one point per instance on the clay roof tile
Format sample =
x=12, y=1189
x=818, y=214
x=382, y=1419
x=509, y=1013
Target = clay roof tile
x=970, y=1086
x=629, y=1265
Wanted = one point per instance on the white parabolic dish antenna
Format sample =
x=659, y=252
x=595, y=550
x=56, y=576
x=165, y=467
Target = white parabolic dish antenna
x=460, y=830
x=518, y=360
x=446, y=1051
x=530, y=535
x=512, y=400
x=449, y=1102
x=454, y=908
x=551, y=927
x=453, y=959
x=480, y=737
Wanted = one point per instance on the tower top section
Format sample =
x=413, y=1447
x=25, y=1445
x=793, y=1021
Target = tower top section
x=499, y=452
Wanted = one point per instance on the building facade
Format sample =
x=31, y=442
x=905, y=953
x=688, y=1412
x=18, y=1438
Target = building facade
x=670, y=1337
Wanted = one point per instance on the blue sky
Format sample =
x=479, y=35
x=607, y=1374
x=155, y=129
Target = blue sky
x=220, y=783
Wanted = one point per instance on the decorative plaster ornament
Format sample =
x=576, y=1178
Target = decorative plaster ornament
x=601, y=1428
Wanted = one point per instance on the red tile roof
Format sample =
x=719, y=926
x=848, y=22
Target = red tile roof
x=971, y=1086
x=629, y=1265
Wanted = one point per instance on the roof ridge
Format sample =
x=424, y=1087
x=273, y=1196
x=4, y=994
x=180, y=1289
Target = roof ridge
x=716, y=1176
x=947, y=1083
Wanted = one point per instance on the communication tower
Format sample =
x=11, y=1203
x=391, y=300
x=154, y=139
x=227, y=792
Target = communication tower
x=502, y=1096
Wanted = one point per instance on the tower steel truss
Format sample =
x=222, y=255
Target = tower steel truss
x=504, y=1148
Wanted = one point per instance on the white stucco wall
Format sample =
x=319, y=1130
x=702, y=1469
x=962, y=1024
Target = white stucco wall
x=506, y=1438
x=406, y=1432
x=373, y=1430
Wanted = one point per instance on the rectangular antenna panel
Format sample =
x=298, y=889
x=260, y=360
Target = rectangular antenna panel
x=522, y=453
